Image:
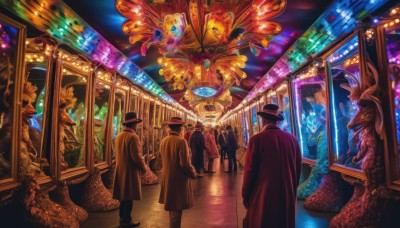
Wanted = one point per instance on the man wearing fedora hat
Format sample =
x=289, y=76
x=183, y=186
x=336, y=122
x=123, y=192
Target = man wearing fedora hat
x=176, y=187
x=129, y=167
x=197, y=146
x=271, y=174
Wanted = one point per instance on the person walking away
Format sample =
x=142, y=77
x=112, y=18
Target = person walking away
x=216, y=133
x=197, y=146
x=188, y=132
x=176, y=188
x=232, y=146
x=211, y=149
x=222, y=143
x=129, y=167
x=271, y=174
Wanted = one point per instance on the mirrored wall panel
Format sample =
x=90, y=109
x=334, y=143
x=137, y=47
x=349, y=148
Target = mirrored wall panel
x=392, y=31
x=344, y=74
x=282, y=95
x=34, y=107
x=310, y=105
x=101, y=107
x=8, y=60
x=118, y=115
x=72, y=118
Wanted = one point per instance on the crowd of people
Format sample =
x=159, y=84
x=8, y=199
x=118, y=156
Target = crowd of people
x=271, y=172
x=206, y=144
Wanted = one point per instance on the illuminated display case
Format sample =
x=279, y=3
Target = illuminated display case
x=310, y=109
x=254, y=120
x=102, y=96
x=283, y=101
x=271, y=97
x=11, y=63
x=145, y=125
x=72, y=108
x=157, y=137
x=245, y=128
x=389, y=29
x=343, y=67
x=119, y=109
x=36, y=100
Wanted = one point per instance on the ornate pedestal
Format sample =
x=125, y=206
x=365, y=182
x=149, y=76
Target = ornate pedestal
x=42, y=211
x=60, y=195
x=305, y=172
x=331, y=196
x=310, y=185
x=96, y=197
x=363, y=210
x=109, y=178
x=149, y=177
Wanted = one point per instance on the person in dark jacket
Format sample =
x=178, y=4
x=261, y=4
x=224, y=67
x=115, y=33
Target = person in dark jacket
x=271, y=174
x=197, y=146
x=231, y=147
x=222, y=143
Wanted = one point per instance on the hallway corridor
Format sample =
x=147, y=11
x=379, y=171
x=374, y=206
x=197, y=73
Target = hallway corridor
x=218, y=203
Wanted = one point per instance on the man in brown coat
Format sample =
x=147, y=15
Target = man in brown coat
x=130, y=165
x=271, y=174
x=176, y=187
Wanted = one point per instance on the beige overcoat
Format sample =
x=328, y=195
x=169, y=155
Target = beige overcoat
x=176, y=187
x=130, y=165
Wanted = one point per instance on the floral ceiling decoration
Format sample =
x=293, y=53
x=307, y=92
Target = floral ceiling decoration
x=199, y=41
x=209, y=106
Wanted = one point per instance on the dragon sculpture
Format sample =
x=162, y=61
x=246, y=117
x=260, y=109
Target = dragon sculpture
x=30, y=161
x=369, y=196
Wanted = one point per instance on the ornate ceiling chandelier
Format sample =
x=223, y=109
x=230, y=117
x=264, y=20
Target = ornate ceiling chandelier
x=199, y=40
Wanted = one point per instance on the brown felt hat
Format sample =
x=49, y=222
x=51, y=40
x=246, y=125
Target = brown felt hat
x=131, y=117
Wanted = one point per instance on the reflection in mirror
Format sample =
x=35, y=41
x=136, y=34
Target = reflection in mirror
x=101, y=106
x=72, y=119
x=311, y=115
x=33, y=106
x=245, y=129
x=145, y=127
x=345, y=70
x=254, y=120
x=393, y=52
x=119, y=110
x=8, y=51
x=284, y=108
x=271, y=97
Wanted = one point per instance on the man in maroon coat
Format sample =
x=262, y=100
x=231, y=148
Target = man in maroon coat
x=271, y=174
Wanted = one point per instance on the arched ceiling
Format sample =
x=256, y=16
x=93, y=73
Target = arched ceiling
x=297, y=17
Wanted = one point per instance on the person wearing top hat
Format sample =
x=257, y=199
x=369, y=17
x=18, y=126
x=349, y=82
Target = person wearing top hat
x=197, y=146
x=176, y=187
x=129, y=167
x=271, y=174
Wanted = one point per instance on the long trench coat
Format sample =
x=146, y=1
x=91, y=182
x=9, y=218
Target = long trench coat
x=176, y=187
x=130, y=165
x=197, y=146
x=271, y=176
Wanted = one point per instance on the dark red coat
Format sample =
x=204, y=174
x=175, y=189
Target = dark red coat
x=271, y=176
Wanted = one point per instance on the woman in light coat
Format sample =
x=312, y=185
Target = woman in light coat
x=211, y=149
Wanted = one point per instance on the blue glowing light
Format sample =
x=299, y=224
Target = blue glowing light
x=205, y=91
